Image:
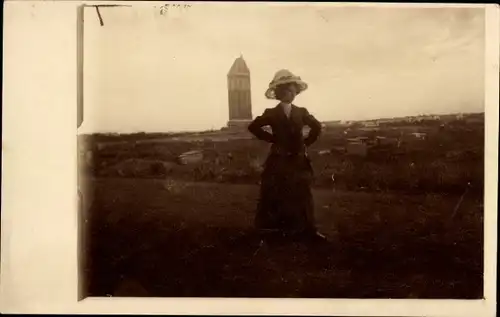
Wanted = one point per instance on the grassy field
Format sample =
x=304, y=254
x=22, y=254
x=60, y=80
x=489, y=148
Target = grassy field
x=157, y=237
x=445, y=162
x=159, y=228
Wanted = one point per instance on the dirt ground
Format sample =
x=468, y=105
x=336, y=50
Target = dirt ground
x=162, y=238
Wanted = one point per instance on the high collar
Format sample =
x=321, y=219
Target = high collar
x=286, y=108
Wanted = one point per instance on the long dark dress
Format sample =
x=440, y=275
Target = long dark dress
x=286, y=203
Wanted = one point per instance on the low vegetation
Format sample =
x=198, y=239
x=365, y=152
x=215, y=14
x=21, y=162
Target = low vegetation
x=404, y=221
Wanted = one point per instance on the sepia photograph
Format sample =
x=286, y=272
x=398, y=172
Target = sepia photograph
x=273, y=150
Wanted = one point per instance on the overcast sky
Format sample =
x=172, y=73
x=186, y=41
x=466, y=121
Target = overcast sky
x=148, y=72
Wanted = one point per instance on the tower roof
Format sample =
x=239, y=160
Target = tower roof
x=239, y=67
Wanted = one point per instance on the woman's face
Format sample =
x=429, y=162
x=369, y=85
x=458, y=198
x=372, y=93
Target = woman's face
x=287, y=93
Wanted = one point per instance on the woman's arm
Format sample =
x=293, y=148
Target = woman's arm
x=256, y=127
x=315, y=126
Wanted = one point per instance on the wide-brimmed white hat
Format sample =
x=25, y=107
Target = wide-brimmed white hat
x=281, y=77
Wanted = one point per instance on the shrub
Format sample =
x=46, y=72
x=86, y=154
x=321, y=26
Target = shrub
x=446, y=162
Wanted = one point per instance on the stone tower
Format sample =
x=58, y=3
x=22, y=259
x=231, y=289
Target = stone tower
x=240, y=101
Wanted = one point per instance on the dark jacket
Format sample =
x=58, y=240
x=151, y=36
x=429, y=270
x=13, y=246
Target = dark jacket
x=286, y=132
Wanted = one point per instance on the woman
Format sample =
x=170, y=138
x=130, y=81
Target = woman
x=286, y=204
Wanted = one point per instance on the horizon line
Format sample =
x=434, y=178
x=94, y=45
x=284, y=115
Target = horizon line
x=324, y=121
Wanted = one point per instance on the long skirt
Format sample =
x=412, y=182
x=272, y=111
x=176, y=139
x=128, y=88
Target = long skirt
x=286, y=202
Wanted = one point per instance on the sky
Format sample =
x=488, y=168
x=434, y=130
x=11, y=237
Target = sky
x=144, y=71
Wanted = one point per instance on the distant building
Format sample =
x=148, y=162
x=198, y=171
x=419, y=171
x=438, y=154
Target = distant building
x=356, y=149
x=370, y=124
x=190, y=157
x=384, y=121
x=474, y=119
x=420, y=135
x=238, y=123
x=334, y=123
x=381, y=141
x=359, y=139
x=369, y=129
x=239, y=96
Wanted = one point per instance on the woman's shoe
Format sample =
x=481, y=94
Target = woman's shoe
x=317, y=238
x=320, y=236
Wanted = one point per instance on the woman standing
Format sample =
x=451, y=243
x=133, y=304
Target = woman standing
x=286, y=204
